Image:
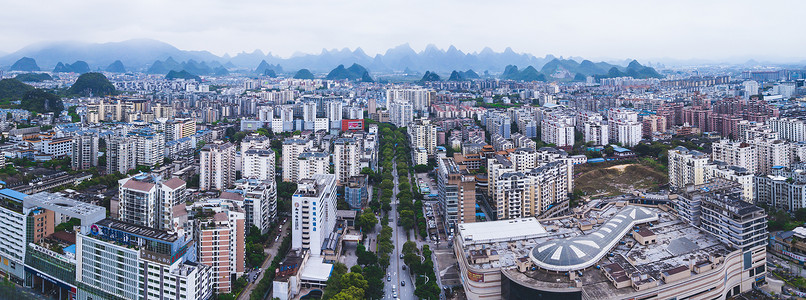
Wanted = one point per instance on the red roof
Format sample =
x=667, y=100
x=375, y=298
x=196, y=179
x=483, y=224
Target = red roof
x=133, y=184
x=174, y=183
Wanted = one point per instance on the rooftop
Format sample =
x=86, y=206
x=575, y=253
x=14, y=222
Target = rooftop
x=143, y=231
x=85, y=211
x=559, y=244
x=583, y=251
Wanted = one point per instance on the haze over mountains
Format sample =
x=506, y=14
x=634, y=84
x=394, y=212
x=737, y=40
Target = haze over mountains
x=159, y=57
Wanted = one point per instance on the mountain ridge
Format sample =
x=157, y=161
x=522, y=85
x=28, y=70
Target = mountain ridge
x=141, y=54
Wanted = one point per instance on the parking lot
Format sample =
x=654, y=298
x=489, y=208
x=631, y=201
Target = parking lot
x=424, y=179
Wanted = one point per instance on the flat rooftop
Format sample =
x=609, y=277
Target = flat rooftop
x=496, y=231
x=66, y=206
x=677, y=243
x=143, y=231
x=315, y=269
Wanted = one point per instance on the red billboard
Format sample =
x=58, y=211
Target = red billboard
x=352, y=125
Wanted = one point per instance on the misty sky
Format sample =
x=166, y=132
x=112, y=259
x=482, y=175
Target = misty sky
x=592, y=29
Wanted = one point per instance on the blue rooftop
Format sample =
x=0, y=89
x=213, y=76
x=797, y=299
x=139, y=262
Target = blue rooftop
x=595, y=160
x=777, y=167
x=620, y=149
x=9, y=193
x=71, y=249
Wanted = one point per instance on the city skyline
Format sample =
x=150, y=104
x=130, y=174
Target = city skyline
x=714, y=31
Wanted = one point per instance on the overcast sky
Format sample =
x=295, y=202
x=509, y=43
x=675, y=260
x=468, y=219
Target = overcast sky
x=593, y=29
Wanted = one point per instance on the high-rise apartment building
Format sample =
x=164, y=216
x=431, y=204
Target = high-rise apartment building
x=597, y=132
x=334, y=114
x=346, y=162
x=735, y=154
x=221, y=233
x=147, y=200
x=456, y=190
x=292, y=148
x=401, y=113
x=423, y=134
x=260, y=202
x=120, y=155
x=419, y=98
x=310, y=163
x=539, y=192
x=217, y=164
x=149, y=146
x=259, y=164
x=686, y=167
x=85, y=152
x=771, y=153
x=624, y=127
x=119, y=260
x=790, y=129
x=313, y=213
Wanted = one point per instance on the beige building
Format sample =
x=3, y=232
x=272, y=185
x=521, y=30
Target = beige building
x=686, y=167
x=217, y=166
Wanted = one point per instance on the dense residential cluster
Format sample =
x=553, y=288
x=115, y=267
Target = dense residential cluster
x=257, y=184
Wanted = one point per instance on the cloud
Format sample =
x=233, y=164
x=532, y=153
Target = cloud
x=614, y=29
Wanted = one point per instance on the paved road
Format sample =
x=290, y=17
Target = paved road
x=270, y=253
x=395, y=270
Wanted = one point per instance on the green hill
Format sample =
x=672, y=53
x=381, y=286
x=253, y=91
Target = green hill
x=303, y=74
x=181, y=75
x=33, y=77
x=13, y=89
x=41, y=101
x=92, y=84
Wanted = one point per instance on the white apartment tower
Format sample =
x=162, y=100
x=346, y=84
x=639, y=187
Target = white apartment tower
x=624, y=127
x=735, y=154
x=292, y=148
x=597, y=132
x=85, y=152
x=310, y=163
x=313, y=213
x=423, y=134
x=686, y=167
x=346, y=159
x=120, y=155
x=217, y=164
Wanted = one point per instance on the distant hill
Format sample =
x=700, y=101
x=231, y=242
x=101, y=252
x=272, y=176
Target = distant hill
x=137, y=53
x=303, y=74
x=220, y=71
x=116, y=67
x=92, y=84
x=184, y=74
x=26, y=64
x=13, y=89
x=354, y=72
x=143, y=54
x=192, y=66
x=462, y=76
x=511, y=72
x=429, y=76
x=265, y=68
x=79, y=67
x=33, y=77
